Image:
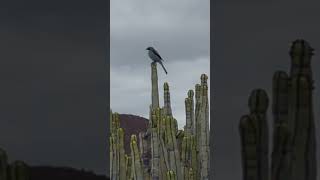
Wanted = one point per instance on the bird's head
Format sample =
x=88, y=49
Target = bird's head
x=149, y=48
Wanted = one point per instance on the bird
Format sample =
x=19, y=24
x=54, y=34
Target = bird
x=155, y=56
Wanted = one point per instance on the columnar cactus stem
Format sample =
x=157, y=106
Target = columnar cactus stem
x=191, y=174
x=128, y=162
x=137, y=171
x=3, y=164
x=174, y=156
x=19, y=171
x=185, y=157
x=167, y=103
x=204, y=130
x=155, y=153
x=171, y=175
x=301, y=124
x=194, y=158
x=189, y=123
x=280, y=154
x=190, y=96
x=111, y=121
x=113, y=158
x=154, y=80
x=114, y=147
x=197, y=114
x=254, y=138
x=121, y=162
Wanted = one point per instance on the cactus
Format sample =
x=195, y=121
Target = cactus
x=254, y=137
x=175, y=154
x=18, y=170
x=294, y=147
x=280, y=153
x=154, y=81
x=3, y=165
x=121, y=164
x=136, y=170
x=167, y=103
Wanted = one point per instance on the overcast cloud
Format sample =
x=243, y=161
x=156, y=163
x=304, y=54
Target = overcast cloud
x=179, y=30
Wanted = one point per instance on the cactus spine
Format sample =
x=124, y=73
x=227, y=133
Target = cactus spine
x=294, y=147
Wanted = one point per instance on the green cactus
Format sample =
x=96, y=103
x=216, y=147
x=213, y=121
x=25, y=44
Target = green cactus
x=254, y=137
x=154, y=82
x=19, y=171
x=166, y=97
x=171, y=175
x=128, y=162
x=121, y=164
x=3, y=165
x=294, y=147
x=175, y=154
x=189, y=124
x=137, y=171
x=280, y=153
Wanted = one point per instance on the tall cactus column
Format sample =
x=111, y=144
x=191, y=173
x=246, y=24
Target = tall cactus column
x=136, y=166
x=301, y=124
x=19, y=171
x=254, y=138
x=3, y=165
x=167, y=103
x=203, y=119
x=154, y=87
x=189, y=107
x=117, y=153
x=280, y=154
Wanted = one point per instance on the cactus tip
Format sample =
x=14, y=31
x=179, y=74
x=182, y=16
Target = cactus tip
x=190, y=93
x=166, y=86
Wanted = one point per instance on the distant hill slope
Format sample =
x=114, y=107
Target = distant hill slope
x=132, y=124
x=62, y=173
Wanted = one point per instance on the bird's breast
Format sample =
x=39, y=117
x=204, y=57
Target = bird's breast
x=153, y=56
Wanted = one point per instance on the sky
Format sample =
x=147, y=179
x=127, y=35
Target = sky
x=250, y=42
x=179, y=30
x=54, y=82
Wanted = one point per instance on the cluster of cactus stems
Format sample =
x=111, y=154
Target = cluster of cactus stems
x=293, y=154
x=164, y=152
x=18, y=170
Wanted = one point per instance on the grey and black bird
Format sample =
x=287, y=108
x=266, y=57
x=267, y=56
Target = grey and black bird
x=155, y=56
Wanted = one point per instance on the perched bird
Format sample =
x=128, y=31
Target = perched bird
x=155, y=56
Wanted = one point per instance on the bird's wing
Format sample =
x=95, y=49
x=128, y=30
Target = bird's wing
x=157, y=54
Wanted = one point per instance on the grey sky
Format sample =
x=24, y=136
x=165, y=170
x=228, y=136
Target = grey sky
x=179, y=30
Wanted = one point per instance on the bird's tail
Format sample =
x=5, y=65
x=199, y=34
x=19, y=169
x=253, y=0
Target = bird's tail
x=163, y=67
